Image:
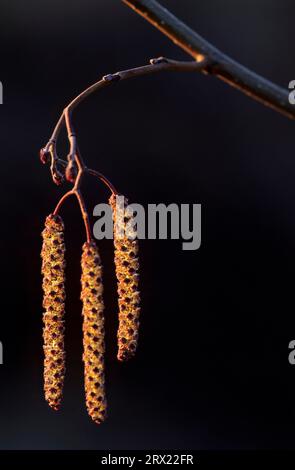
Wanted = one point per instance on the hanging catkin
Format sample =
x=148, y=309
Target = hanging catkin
x=93, y=332
x=53, y=270
x=127, y=267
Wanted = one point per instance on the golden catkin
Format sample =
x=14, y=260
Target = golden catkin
x=53, y=270
x=93, y=332
x=127, y=272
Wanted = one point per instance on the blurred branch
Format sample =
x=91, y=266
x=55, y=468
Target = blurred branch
x=221, y=65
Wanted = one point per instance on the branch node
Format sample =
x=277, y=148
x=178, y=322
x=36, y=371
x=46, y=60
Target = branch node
x=159, y=60
x=211, y=67
x=71, y=171
x=111, y=77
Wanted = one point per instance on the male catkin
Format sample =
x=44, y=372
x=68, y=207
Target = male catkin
x=53, y=270
x=127, y=272
x=93, y=332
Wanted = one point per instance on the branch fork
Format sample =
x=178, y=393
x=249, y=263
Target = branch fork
x=74, y=168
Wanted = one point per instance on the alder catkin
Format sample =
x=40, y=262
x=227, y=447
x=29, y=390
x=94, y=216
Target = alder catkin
x=127, y=272
x=53, y=270
x=93, y=332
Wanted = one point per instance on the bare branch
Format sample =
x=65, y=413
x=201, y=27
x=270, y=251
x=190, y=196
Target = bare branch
x=222, y=66
x=156, y=65
x=49, y=151
x=74, y=159
x=94, y=173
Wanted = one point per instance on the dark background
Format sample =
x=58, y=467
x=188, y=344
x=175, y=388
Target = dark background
x=212, y=368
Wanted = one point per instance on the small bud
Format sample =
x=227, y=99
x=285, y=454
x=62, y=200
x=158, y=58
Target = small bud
x=57, y=177
x=71, y=172
x=44, y=156
x=159, y=60
x=111, y=77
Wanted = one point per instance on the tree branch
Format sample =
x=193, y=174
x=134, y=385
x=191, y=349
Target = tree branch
x=222, y=66
x=48, y=153
x=156, y=65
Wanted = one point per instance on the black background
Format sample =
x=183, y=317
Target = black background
x=212, y=368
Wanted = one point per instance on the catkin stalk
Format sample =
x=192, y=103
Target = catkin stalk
x=53, y=270
x=127, y=272
x=93, y=332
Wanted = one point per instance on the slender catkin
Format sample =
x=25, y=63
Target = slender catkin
x=53, y=270
x=93, y=332
x=127, y=272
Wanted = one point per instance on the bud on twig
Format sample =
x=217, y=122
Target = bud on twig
x=57, y=176
x=44, y=156
x=71, y=172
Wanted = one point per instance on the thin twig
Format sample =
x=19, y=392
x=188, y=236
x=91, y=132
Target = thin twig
x=101, y=177
x=76, y=192
x=61, y=201
x=84, y=214
x=94, y=173
x=74, y=159
x=71, y=136
x=156, y=65
x=222, y=66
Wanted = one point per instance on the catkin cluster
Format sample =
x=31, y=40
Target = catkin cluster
x=127, y=268
x=93, y=332
x=53, y=270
